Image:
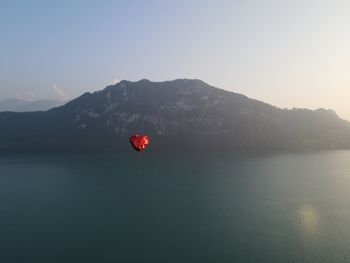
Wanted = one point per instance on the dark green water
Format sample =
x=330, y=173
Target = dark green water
x=173, y=208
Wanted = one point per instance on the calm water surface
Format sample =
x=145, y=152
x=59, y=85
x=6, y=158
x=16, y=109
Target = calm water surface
x=175, y=208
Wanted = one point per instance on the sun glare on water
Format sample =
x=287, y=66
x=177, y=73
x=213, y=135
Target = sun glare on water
x=309, y=220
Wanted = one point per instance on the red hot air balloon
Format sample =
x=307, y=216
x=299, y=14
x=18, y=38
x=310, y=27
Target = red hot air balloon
x=139, y=142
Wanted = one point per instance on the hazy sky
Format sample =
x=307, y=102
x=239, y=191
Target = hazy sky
x=287, y=53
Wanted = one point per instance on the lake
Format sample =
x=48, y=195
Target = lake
x=175, y=208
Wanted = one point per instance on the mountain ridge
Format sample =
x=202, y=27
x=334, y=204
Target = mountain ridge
x=324, y=110
x=181, y=115
x=21, y=105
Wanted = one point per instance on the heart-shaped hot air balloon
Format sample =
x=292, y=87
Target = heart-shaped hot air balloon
x=139, y=142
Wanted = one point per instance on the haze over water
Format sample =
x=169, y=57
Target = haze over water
x=175, y=208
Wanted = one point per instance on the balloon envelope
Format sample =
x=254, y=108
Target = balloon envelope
x=139, y=142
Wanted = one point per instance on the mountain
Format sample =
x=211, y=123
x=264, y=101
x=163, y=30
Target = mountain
x=20, y=105
x=178, y=115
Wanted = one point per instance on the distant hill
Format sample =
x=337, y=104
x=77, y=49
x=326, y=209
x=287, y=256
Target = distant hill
x=19, y=105
x=178, y=115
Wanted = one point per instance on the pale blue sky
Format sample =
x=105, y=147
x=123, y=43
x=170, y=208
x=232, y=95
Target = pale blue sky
x=287, y=53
